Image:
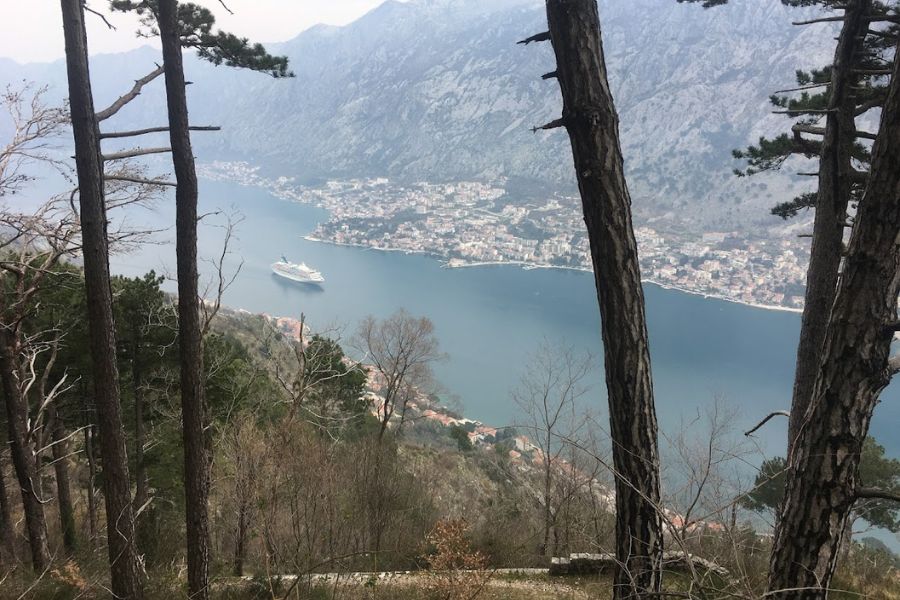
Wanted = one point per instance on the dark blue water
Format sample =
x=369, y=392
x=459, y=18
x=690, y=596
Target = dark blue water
x=489, y=319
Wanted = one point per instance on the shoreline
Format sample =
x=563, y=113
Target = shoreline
x=526, y=266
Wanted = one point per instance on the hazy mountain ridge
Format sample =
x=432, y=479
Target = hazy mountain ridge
x=439, y=90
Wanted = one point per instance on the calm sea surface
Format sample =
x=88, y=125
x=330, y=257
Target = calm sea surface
x=489, y=319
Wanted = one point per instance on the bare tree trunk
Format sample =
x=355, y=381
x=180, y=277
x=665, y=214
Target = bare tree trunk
x=589, y=116
x=196, y=455
x=60, y=453
x=23, y=455
x=548, y=514
x=7, y=533
x=92, y=478
x=125, y=568
x=823, y=473
x=141, y=493
x=240, y=546
x=835, y=167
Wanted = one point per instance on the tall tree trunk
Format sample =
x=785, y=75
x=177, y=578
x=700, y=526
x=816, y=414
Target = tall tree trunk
x=23, y=455
x=589, y=116
x=835, y=167
x=141, y=494
x=240, y=546
x=60, y=453
x=548, y=515
x=196, y=459
x=91, y=457
x=823, y=473
x=7, y=532
x=125, y=568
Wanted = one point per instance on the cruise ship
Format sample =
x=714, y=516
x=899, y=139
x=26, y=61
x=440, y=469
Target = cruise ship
x=297, y=272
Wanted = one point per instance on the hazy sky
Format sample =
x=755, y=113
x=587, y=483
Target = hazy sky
x=31, y=30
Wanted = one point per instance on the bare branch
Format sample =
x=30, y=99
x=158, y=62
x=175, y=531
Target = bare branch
x=811, y=86
x=551, y=125
x=820, y=20
x=131, y=95
x=777, y=413
x=804, y=111
x=134, y=152
x=136, y=132
x=139, y=180
x=538, y=37
x=866, y=493
x=813, y=130
x=99, y=14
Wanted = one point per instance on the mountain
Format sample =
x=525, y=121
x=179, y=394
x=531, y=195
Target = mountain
x=439, y=90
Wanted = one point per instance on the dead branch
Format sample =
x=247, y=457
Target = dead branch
x=538, y=37
x=133, y=93
x=801, y=88
x=134, y=152
x=813, y=130
x=223, y=282
x=551, y=125
x=777, y=413
x=137, y=132
x=804, y=111
x=99, y=14
x=138, y=180
x=871, y=493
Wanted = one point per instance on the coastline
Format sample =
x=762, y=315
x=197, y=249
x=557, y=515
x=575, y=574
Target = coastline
x=445, y=264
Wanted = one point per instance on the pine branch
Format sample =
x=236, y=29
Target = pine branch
x=131, y=95
x=138, y=180
x=867, y=493
x=101, y=15
x=812, y=130
x=820, y=20
x=808, y=111
x=134, y=152
x=538, y=37
x=777, y=413
x=137, y=132
x=811, y=86
x=551, y=125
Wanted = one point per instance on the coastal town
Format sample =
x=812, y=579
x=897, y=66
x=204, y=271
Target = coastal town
x=480, y=223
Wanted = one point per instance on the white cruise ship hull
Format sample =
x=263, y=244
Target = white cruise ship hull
x=300, y=277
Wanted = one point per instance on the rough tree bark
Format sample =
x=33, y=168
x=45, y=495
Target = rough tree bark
x=196, y=460
x=125, y=567
x=823, y=473
x=23, y=455
x=7, y=533
x=90, y=456
x=835, y=168
x=589, y=116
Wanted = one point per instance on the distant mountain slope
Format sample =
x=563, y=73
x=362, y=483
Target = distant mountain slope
x=438, y=89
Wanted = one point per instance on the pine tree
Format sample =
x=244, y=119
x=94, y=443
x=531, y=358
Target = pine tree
x=851, y=305
x=839, y=93
x=590, y=118
x=823, y=477
x=179, y=26
x=125, y=566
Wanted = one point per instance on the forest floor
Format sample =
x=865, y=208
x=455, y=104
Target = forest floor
x=524, y=584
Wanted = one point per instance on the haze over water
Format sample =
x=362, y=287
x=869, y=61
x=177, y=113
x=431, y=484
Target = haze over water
x=488, y=319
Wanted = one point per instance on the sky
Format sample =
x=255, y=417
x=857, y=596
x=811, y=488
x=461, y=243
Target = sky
x=31, y=30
